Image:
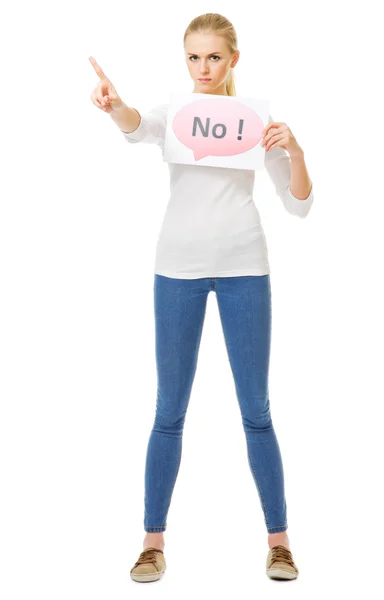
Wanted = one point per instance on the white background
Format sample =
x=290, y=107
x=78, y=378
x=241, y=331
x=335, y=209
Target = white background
x=80, y=215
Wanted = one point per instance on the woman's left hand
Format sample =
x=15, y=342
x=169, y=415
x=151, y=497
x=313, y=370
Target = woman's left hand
x=279, y=134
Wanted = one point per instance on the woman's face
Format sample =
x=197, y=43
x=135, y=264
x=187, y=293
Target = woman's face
x=208, y=57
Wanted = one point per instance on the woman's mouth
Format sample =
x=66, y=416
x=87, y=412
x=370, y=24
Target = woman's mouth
x=204, y=80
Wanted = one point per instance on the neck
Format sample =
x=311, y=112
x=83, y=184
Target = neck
x=214, y=92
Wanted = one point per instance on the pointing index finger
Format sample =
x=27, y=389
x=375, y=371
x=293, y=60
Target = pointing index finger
x=97, y=68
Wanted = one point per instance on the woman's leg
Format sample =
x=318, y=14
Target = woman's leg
x=180, y=306
x=246, y=317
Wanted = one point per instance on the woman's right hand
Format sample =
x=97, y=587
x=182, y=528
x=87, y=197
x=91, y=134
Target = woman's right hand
x=104, y=96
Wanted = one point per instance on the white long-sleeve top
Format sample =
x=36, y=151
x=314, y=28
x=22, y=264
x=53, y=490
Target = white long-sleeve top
x=211, y=226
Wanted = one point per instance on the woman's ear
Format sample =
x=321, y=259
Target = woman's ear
x=236, y=57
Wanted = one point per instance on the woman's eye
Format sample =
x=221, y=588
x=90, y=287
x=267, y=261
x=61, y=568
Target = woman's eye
x=214, y=56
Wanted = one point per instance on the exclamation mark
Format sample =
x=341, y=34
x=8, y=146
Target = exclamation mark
x=240, y=128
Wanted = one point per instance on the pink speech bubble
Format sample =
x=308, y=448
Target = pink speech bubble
x=217, y=127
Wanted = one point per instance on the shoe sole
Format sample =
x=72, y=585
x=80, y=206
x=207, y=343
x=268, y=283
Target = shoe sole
x=144, y=577
x=281, y=574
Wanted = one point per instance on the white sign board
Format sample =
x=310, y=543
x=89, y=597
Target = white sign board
x=214, y=130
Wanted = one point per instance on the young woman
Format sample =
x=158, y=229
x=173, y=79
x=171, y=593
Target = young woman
x=211, y=239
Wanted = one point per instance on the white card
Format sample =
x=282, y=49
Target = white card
x=214, y=130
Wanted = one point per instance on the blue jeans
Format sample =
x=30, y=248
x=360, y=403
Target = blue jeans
x=245, y=311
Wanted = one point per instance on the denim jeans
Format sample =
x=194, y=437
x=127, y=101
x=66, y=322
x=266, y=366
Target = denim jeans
x=245, y=312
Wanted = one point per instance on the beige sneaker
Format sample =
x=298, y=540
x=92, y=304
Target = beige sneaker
x=280, y=563
x=149, y=566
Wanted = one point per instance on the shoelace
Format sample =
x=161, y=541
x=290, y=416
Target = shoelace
x=281, y=553
x=147, y=556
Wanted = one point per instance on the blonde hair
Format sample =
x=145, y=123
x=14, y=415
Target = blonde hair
x=215, y=23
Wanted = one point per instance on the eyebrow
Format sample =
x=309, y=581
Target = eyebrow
x=195, y=54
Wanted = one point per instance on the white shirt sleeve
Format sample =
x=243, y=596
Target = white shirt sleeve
x=152, y=126
x=278, y=165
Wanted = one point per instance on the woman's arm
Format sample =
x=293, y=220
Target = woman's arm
x=126, y=118
x=301, y=184
x=151, y=126
x=291, y=180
